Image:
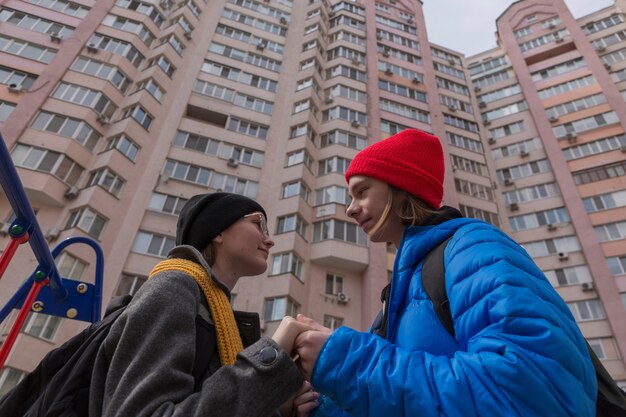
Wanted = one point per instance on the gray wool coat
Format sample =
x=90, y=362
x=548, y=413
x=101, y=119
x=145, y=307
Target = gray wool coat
x=144, y=367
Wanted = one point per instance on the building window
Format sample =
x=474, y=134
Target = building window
x=617, y=265
x=547, y=247
x=343, y=138
x=541, y=218
x=87, y=220
x=125, y=145
x=332, y=322
x=130, y=26
x=339, y=230
x=332, y=194
x=152, y=87
x=43, y=160
x=232, y=184
x=103, y=71
x=162, y=62
x=291, y=223
x=143, y=8
x=186, y=172
x=66, y=7
x=568, y=276
x=605, y=201
x=117, y=47
x=277, y=308
x=166, y=203
x=196, y=143
x=68, y=127
x=300, y=156
x=600, y=173
x=587, y=310
x=84, y=96
x=34, y=23
x=287, y=263
x=335, y=164
x=70, y=267
x=611, y=231
x=9, y=378
x=476, y=213
x=295, y=188
x=140, y=115
x=129, y=284
x=153, y=244
x=247, y=128
x=6, y=109
x=108, y=180
x=26, y=49
x=334, y=284
x=42, y=326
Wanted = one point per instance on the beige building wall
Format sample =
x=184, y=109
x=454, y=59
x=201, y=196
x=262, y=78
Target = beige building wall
x=118, y=111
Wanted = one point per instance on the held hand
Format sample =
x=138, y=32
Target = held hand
x=308, y=345
x=302, y=403
x=287, y=332
x=312, y=323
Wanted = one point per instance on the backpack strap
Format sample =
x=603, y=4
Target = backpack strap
x=434, y=283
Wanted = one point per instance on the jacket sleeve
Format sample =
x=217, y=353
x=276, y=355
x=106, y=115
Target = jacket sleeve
x=520, y=352
x=144, y=368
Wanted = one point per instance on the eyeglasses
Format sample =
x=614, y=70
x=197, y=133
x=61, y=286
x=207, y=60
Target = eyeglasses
x=262, y=223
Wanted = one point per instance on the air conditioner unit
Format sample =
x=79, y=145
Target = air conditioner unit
x=486, y=122
x=355, y=61
x=553, y=119
x=550, y=227
x=551, y=26
x=102, y=119
x=452, y=108
x=261, y=46
x=477, y=89
x=52, y=234
x=601, y=48
x=187, y=34
x=416, y=80
x=451, y=62
x=328, y=99
x=164, y=177
x=389, y=71
x=586, y=286
x=15, y=88
x=513, y=207
x=165, y=4
x=72, y=193
x=283, y=21
x=491, y=140
x=482, y=104
x=92, y=48
x=607, y=66
x=523, y=153
x=379, y=36
x=571, y=137
x=558, y=39
x=355, y=123
x=508, y=182
x=563, y=256
x=386, y=52
x=55, y=37
x=341, y=297
x=623, y=148
x=232, y=163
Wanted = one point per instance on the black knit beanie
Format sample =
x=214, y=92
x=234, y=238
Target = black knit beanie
x=205, y=216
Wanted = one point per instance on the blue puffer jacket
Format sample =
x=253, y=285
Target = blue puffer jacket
x=517, y=352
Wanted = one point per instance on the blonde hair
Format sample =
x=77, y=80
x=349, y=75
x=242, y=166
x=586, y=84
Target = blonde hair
x=413, y=212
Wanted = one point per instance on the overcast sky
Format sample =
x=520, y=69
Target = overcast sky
x=469, y=26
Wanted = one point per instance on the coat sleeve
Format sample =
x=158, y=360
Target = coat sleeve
x=144, y=368
x=520, y=351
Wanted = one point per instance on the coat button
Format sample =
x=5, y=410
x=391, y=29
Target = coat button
x=268, y=355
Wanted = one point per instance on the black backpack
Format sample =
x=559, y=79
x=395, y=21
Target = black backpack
x=611, y=400
x=59, y=385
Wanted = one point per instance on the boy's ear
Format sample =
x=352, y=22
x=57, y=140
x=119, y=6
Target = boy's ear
x=218, y=239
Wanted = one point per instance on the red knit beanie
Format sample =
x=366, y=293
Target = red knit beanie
x=411, y=160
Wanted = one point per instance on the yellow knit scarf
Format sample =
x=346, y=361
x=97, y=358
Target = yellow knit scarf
x=228, y=338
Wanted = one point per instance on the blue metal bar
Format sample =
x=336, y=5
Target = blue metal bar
x=25, y=217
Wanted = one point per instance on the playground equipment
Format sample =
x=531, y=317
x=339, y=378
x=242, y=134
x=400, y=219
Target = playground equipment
x=44, y=291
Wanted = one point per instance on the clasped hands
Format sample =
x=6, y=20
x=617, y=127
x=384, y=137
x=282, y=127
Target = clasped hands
x=303, y=339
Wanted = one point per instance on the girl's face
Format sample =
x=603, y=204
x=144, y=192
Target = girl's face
x=369, y=200
x=244, y=247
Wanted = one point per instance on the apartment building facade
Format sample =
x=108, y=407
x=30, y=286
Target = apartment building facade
x=117, y=111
